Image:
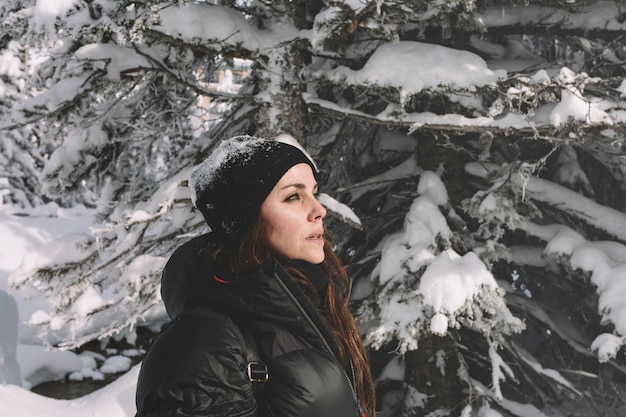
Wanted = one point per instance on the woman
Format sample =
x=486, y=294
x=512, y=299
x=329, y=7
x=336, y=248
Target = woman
x=259, y=306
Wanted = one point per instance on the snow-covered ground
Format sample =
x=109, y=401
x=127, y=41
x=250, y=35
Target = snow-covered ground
x=23, y=361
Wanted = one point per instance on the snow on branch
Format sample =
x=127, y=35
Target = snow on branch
x=604, y=260
x=610, y=220
x=423, y=289
x=340, y=211
x=601, y=18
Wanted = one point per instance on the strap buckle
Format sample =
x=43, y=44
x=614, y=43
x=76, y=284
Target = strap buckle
x=257, y=372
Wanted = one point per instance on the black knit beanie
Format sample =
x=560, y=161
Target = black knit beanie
x=231, y=184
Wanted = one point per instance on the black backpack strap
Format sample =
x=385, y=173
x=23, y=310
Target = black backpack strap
x=256, y=369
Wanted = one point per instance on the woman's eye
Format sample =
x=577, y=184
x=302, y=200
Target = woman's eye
x=293, y=197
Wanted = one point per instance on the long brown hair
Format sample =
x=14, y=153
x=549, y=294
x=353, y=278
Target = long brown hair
x=252, y=250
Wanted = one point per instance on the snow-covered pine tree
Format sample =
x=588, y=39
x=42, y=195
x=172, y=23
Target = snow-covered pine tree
x=480, y=144
x=23, y=147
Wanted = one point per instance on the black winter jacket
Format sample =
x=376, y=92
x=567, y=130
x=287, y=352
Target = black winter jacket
x=196, y=366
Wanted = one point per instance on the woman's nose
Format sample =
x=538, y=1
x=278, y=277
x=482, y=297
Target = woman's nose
x=318, y=211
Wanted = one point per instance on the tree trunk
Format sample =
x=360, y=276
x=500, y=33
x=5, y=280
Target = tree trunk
x=431, y=378
x=286, y=111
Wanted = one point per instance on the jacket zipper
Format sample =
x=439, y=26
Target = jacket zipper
x=324, y=341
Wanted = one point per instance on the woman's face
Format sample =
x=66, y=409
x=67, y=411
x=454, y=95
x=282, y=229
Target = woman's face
x=293, y=217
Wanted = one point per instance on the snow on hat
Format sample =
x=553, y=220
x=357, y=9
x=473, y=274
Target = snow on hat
x=231, y=184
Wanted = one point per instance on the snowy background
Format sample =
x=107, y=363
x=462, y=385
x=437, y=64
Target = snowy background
x=451, y=283
x=23, y=233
